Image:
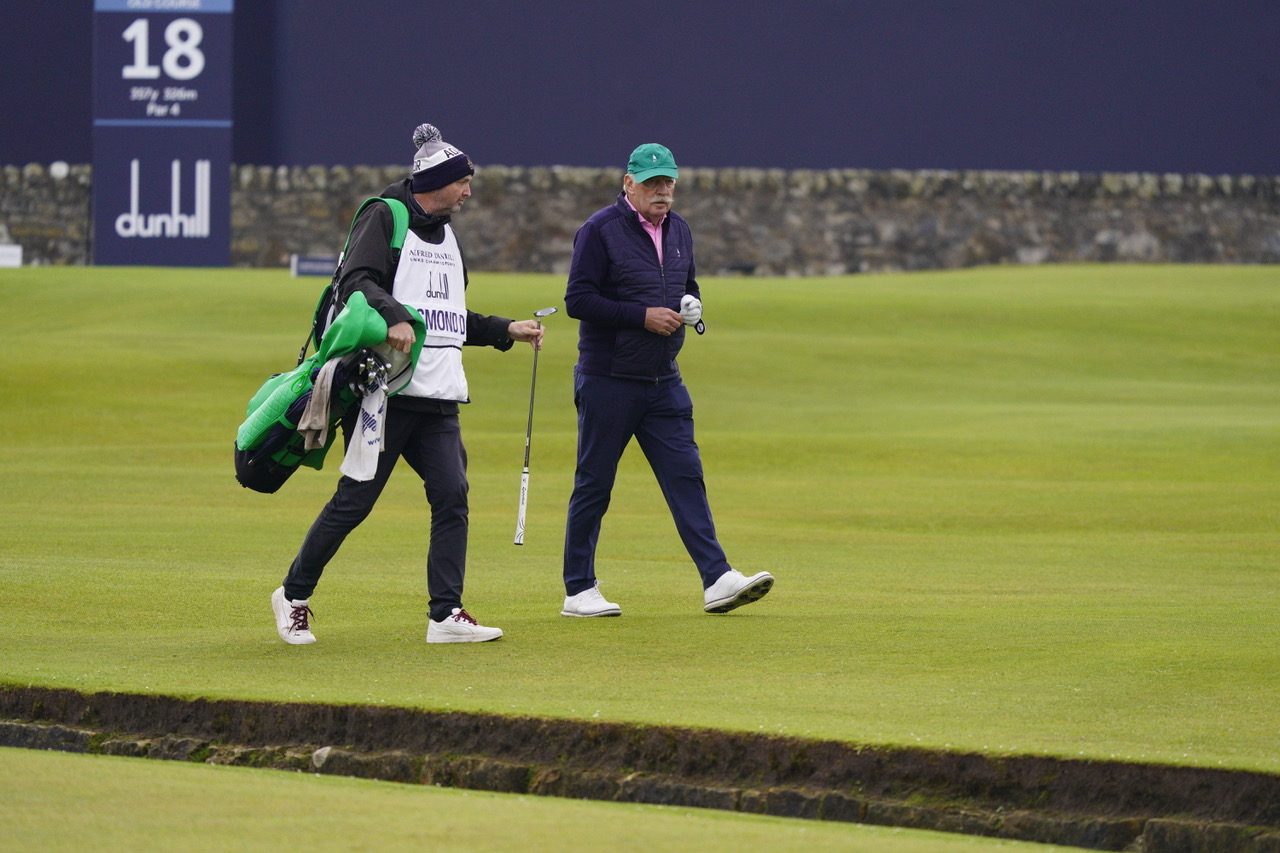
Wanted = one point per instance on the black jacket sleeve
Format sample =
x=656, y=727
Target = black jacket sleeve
x=370, y=266
x=482, y=330
x=488, y=331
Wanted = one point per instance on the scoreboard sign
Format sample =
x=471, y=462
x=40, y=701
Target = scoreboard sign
x=162, y=132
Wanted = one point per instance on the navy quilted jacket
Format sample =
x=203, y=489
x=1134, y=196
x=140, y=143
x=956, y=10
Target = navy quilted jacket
x=613, y=278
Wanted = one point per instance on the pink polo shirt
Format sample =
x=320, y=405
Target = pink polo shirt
x=654, y=231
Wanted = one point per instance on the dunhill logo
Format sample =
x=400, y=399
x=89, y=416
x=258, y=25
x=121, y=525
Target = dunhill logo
x=174, y=223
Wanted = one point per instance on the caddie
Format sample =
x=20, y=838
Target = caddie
x=633, y=288
x=421, y=422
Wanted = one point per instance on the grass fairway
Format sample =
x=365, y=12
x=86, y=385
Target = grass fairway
x=76, y=803
x=67, y=802
x=1013, y=510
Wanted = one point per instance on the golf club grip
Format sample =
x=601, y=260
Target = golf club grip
x=524, y=501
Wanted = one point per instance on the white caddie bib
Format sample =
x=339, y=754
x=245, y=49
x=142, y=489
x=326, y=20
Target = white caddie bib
x=430, y=279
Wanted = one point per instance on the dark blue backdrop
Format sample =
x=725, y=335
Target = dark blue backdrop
x=1085, y=85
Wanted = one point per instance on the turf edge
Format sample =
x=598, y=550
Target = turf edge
x=1095, y=804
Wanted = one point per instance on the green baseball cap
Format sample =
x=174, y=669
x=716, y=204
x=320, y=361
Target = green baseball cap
x=652, y=159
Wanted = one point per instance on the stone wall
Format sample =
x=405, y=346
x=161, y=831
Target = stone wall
x=48, y=216
x=748, y=221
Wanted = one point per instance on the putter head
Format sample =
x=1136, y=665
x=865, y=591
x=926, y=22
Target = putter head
x=545, y=312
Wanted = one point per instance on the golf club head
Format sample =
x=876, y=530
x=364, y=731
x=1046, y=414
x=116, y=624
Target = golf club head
x=545, y=312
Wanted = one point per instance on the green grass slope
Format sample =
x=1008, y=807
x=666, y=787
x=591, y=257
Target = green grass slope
x=1009, y=510
x=56, y=802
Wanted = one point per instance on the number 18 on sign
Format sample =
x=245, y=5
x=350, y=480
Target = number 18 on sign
x=162, y=132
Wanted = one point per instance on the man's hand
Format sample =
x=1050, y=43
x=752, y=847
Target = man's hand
x=690, y=309
x=401, y=337
x=663, y=321
x=526, y=330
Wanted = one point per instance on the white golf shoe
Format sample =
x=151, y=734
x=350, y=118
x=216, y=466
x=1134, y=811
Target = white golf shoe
x=460, y=627
x=734, y=589
x=292, y=619
x=589, y=602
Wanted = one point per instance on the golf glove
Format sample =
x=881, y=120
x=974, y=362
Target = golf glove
x=690, y=309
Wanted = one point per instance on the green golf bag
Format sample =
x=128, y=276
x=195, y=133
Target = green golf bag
x=269, y=447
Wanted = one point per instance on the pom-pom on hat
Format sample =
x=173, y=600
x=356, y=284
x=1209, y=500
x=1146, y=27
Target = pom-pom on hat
x=437, y=163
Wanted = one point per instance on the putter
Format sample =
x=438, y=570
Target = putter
x=528, y=436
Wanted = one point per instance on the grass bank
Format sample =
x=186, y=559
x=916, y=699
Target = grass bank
x=1009, y=510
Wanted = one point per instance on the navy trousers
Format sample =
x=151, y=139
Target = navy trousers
x=660, y=416
x=432, y=445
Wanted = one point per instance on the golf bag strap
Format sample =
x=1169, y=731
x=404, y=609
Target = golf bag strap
x=327, y=305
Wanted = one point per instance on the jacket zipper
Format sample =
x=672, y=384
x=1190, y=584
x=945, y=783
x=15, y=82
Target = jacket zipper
x=662, y=277
x=662, y=350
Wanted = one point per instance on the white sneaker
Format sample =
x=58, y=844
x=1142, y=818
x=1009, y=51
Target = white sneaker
x=589, y=602
x=292, y=619
x=460, y=627
x=734, y=589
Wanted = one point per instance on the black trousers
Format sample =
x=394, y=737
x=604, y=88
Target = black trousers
x=432, y=445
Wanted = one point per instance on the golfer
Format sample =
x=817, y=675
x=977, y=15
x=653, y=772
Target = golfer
x=422, y=420
x=633, y=290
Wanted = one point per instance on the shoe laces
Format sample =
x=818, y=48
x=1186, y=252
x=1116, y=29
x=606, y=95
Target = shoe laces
x=300, y=614
x=461, y=615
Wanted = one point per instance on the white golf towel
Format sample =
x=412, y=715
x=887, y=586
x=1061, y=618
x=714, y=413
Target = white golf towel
x=361, y=461
x=314, y=423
